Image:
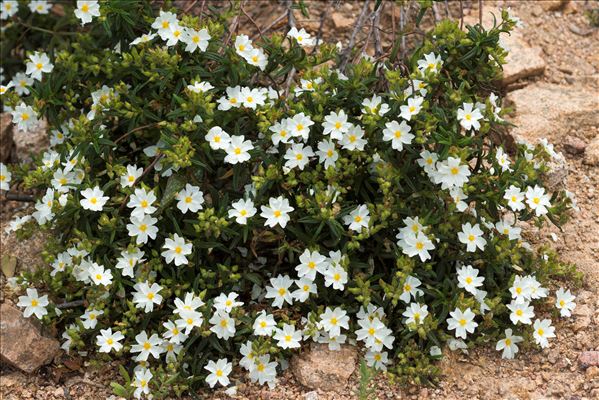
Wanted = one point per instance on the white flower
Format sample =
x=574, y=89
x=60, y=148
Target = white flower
x=413, y=108
x=451, y=172
x=415, y=313
x=416, y=86
x=359, y=218
x=226, y=302
x=462, y=322
x=33, y=304
x=333, y=320
x=298, y=156
x=503, y=160
x=252, y=98
x=133, y=173
x=145, y=296
x=17, y=223
x=39, y=6
x=108, y=341
x=336, y=276
x=24, y=117
x=469, y=116
x=281, y=132
x=256, y=57
x=238, y=150
x=417, y=245
x=219, y=372
x=521, y=311
x=521, y=289
x=86, y=10
x=279, y=290
x=4, y=88
x=398, y=134
x=334, y=342
x=222, y=325
x=458, y=196
x=145, y=38
x=302, y=37
x=140, y=382
x=375, y=105
x=9, y=8
x=310, y=263
x=195, y=39
x=189, y=320
x=305, y=287
x=99, y=275
x=190, y=199
x=21, y=82
x=288, y=337
x=370, y=332
x=468, y=279
x=277, y=212
x=164, y=22
x=190, y=303
x=43, y=208
x=172, y=35
x=534, y=289
x=263, y=370
x=327, y=154
x=377, y=359
x=428, y=161
x=141, y=202
x=430, y=63
x=514, y=198
x=142, y=229
x=335, y=125
x=128, y=260
x=233, y=99
x=471, y=236
x=173, y=333
x=5, y=177
x=200, y=87
x=243, y=45
x=89, y=318
x=564, y=302
x=147, y=346
x=543, y=331
x=508, y=345
x=537, y=200
x=176, y=250
x=410, y=289
x=242, y=210
x=504, y=228
x=93, y=199
x=218, y=139
x=38, y=63
x=300, y=125
x=264, y=324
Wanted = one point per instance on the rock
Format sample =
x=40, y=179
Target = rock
x=341, y=21
x=324, y=369
x=574, y=145
x=313, y=395
x=7, y=144
x=32, y=141
x=557, y=173
x=543, y=107
x=588, y=359
x=592, y=373
x=22, y=344
x=591, y=156
x=553, y=5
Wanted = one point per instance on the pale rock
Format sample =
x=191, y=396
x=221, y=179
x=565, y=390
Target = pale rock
x=7, y=144
x=591, y=156
x=22, y=344
x=31, y=142
x=588, y=359
x=324, y=369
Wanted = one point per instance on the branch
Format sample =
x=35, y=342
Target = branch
x=253, y=22
x=70, y=304
x=26, y=198
x=322, y=17
x=291, y=24
x=352, y=40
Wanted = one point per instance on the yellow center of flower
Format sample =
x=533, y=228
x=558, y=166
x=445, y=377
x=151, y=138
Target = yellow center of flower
x=429, y=161
x=216, y=139
x=309, y=85
x=143, y=227
x=150, y=296
x=519, y=313
x=63, y=181
x=508, y=341
x=177, y=33
x=377, y=357
x=147, y=346
x=468, y=280
x=337, y=276
x=250, y=99
x=8, y=6
x=241, y=47
x=337, y=125
x=407, y=288
x=416, y=316
x=189, y=321
x=98, y=277
x=188, y=199
x=24, y=116
x=299, y=157
x=352, y=138
x=299, y=38
x=277, y=213
x=357, y=218
x=237, y=150
x=195, y=39
x=233, y=101
x=143, y=203
x=306, y=288
x=93, y=200
x=419, y=245
x=288, y=338
x=506, y=231
x=536, y=200
x=219, y=373
x=263, y=324
x=412, y=109
x=34, y=303
x=330, y=153
x=282, y=291
x=333, y=321
x=223, y=323
x=39, y=65
x=397, y=134
x=143, y=383
x=110, y=341
x=518, y=290
x=283, y=133
x=540, y=331
x=260, y=367
x=165, y=24
x=311, y=265
x=462, y=322
x=454, y=171
x=468, y=117
x=562, y=303
x=255, y=59
x=299, y=127
x=92, y=316
x=471, y=238
x=178, y=249
x=371, y=331
x=175, y=331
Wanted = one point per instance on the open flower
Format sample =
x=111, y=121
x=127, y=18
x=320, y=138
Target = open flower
x=146, y=296
x=33, y=304
x=219, y=372
x=190, y=199
x=522, y=312
x=310, y=263
x=288, y=337
x=359, y=218
x=242, y=210
x=86, y=10
x=537, y=200
x=302, y=37
x=564, y=302
x=277, y=212
x=398, y=134
x=176, y=250
x=469, y=280
x=147, y=346
x=462, y=322
x=472, y=237
x=37, y=64
x=279, y=291
x=332, y=320
x=415, y=313
x=298, y=156
x=543, y=331
x=264, y=324
x=508, y=344
x=413, y=108
x=142, y=229
x=108, y=341
x=238, y=150
x=335, y=124
x=93, y=199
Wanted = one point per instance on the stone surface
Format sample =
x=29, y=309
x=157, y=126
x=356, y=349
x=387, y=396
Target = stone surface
x=32, y=141
x=574, y=145
x=322, y=369
x=22, y=344
x=555, y=177
x=591, y=156
x=7, y=144
x=544, y=109
x=553, y=5
x=588, y=359
x=341, y=21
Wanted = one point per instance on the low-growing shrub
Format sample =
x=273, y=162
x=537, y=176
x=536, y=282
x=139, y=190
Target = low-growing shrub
x=216, y=199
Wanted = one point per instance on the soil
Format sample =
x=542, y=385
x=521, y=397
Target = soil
x=571, y=49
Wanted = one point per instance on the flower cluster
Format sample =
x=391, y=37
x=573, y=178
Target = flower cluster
x=211, y=217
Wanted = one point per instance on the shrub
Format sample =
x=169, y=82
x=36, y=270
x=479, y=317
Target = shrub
x=205, y=211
